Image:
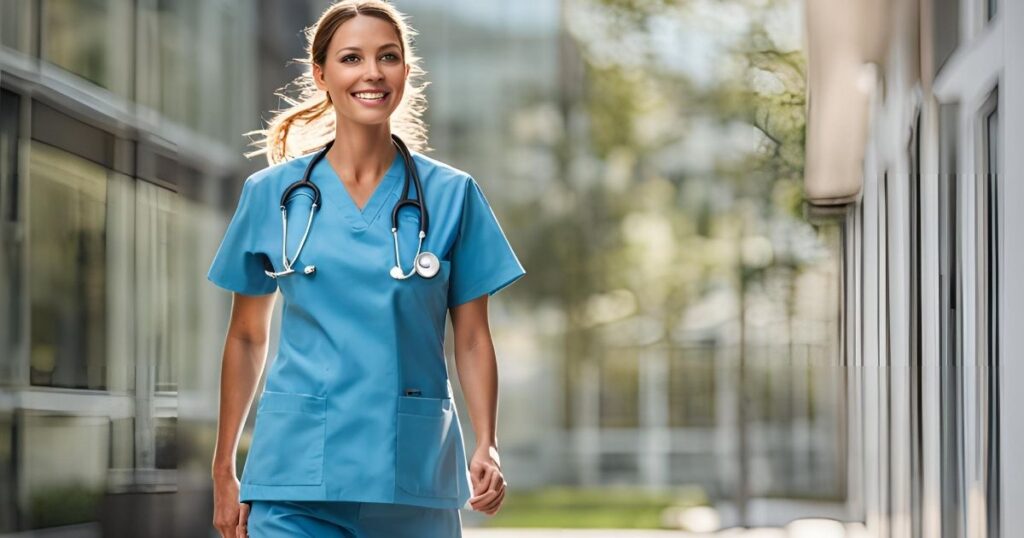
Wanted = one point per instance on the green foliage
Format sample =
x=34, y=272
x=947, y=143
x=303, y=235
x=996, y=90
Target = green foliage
x=64, y=505
x=622, y=508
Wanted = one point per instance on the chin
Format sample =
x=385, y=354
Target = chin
x=373, y=119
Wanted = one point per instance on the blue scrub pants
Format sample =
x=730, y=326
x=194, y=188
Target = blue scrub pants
x=342, y=519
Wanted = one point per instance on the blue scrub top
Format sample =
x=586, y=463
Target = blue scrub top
x=334, y=421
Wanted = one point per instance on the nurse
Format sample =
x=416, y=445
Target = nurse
x=356, y=431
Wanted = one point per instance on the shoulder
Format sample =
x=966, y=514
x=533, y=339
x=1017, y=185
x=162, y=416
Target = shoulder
x=440, y=172
x=291, y=169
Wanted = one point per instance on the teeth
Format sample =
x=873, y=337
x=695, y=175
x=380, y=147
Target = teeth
x=378, y=95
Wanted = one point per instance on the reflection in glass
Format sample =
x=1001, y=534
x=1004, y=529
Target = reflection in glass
x=990, y=278
x=691, y=387
x=154, y=220
x=11, y=242
x=176, y=72
x=91, y=38
x=63, y=468
x=167, y=443
x=620, y=384
x=67, y=254
x=8, y=490
x=16, y=24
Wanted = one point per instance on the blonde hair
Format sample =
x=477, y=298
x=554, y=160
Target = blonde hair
x=309, y=122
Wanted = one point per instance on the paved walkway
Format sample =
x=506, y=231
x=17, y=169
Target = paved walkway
x=797, y=529
x=618, y=533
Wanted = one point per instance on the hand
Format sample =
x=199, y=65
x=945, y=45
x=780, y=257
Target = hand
x=488, y=482
x=229, y=515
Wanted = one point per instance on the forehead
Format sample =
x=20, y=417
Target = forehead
x=366, y=32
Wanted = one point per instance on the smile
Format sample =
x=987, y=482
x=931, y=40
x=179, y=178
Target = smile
x=371, y=98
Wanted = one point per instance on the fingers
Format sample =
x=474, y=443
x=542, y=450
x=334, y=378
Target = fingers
x=242, y=528
x=479, y=474
x=492, y=507
x=489, y=501
x=495, y=480
x=485, y=483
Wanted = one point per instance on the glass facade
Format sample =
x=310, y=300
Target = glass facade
x=119, y=140
x=92, y=39
x=67, y=268
x=15, y=22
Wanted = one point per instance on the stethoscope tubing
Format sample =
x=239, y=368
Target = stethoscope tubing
x=425, y=264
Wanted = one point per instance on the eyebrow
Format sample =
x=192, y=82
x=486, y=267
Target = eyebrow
x=382, y=47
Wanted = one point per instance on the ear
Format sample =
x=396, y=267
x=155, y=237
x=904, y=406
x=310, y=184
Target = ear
x=318, y=77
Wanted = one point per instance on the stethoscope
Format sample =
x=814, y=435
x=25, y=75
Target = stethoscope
x=425, y=263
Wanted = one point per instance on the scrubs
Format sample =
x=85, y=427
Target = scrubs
x=358, y=404
x=339, y=519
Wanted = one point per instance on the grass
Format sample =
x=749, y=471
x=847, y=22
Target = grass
x=606, y=507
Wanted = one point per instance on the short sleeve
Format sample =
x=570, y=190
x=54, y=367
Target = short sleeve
x=237, y=266
x=482, y=261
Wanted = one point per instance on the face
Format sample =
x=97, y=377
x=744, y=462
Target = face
x=364, y=60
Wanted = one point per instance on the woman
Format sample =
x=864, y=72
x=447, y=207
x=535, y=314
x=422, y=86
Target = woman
x=356, y=431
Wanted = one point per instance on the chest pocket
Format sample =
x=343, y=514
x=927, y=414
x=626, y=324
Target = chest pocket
x=425, y=293
x=426, y=449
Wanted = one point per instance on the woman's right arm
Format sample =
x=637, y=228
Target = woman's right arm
x=245, y=353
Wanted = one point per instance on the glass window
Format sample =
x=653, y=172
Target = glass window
x=165, y=71
x=991, y=9
x=950, y=327
x=945, y=30
x=67, y=264
x=16, y=25
x=61, y=486
x=619, y=391
x=8, y=483
x=915, y=355
x=167, y=443
x=122, y=443
x=153, y=231
x=178, y=74
x=989, y=307
x=91, y=38
x=691, y=387
x=11, y=327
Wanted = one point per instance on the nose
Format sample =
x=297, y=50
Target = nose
x=372, y=71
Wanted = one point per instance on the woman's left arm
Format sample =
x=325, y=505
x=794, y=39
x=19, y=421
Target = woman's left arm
x=477, y=369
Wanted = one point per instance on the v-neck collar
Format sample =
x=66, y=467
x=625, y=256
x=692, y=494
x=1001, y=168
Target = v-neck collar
x=335, y=192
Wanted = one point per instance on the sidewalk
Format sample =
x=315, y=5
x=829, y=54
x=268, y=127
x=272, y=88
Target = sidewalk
x=605, y=533
x=797, y=529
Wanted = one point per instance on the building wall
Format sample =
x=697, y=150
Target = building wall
x=934, y=243
x=121, y=152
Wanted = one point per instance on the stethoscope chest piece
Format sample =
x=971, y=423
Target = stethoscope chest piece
x=427, y=264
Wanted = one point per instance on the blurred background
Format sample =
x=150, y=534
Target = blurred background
x=736, y=216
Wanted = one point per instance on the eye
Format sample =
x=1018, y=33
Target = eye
x=346, y=58
x=391, y=54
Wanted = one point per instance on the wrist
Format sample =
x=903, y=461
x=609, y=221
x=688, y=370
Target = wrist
x=486, y=444
x=487, y=447
x=223, y=470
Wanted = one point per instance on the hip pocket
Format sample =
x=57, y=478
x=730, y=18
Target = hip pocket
x=287, y=441
x=426, y=452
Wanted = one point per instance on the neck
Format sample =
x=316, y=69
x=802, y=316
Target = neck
x=362, y=152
